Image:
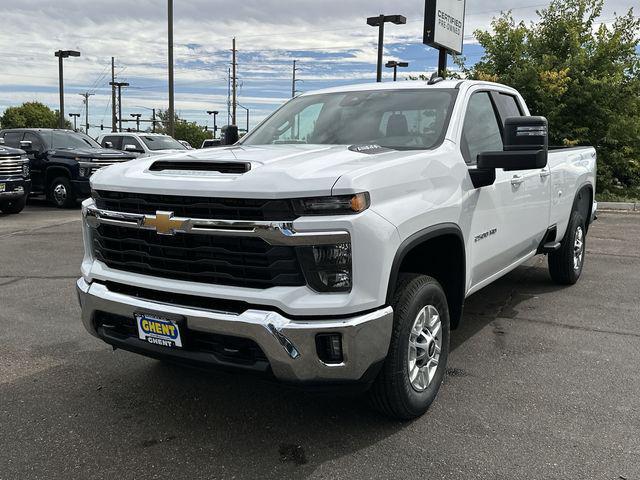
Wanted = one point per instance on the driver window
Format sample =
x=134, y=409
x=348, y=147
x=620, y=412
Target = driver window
x=131, y=141
x=36, y=143
x=481, y=130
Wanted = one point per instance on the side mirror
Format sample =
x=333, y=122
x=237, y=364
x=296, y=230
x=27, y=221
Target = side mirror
x=1, y=141
x=131, y=148
x=526, y=146
x=108, y=145
x=27, y=146
x=229, y=134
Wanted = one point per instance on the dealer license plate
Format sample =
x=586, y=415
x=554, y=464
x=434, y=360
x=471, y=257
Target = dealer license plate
x=158, y=331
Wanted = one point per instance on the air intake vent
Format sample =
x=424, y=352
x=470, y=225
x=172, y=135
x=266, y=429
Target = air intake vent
x=236, y=168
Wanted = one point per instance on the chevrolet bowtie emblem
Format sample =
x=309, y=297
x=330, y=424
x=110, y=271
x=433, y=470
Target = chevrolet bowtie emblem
x=164, y=223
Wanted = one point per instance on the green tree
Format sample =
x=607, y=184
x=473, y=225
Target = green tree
x=31, y=115
x=584, y=77
x=184, y=130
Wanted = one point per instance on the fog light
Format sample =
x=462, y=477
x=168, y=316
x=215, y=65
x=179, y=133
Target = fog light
x=329, y=347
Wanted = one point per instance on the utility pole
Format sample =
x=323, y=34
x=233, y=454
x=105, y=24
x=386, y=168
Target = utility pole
x=171, y=126
x=114, y=120
x=86, y=96
x=137, y=117
x=229, y=96
x=294, y=80
x=153, y=120
x=234, y=84
x=119, y=86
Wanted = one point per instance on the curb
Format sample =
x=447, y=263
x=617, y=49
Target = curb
x=619, y=206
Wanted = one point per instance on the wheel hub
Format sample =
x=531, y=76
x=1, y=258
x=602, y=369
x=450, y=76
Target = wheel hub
x=60, y=193
x=425, y=345
x=578, y=249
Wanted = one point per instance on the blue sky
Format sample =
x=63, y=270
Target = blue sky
x=330, y=40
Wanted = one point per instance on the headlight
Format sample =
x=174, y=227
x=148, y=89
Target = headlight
x=85, y=169
x=25, y=169
x=327, y=268
x=335, y=205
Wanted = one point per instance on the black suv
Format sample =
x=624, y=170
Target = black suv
x=14, y=179
x=61, y=161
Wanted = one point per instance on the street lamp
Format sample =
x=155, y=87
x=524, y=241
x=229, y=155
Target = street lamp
x=75, y=119
x=137, y=117
x=242, y=106
x=393, y=64
x=215, y=125
x=379, y=22
x=63, y=54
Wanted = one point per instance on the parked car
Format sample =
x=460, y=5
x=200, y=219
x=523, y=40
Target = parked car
x=61, y=161
x=336, y=242
x=141, y=144
x=15, y=181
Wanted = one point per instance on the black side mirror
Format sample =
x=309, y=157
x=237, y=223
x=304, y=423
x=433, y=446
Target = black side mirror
x=526, y=146
x=230, y=134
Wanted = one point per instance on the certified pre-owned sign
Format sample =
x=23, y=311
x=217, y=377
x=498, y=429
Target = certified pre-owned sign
x=444, y=24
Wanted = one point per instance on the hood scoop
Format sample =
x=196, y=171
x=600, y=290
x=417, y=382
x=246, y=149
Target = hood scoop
x=234, y=168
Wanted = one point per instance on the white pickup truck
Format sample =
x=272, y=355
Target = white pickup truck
x=337, y=242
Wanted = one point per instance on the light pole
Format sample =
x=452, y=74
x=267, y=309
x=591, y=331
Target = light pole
x=245, y=108
x=137, y=117
x=393, y=64
x=75, y=119
x=215, y=125
x=379, y=22
x=171, y=127
x=61, y=54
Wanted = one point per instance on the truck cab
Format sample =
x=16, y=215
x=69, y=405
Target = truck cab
x=61, y=161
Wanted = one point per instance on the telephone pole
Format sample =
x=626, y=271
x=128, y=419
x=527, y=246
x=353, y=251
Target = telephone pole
x=234, y=84
x=293, y=83
x=86, y=96
x=171, y=125
x=119, y=86
x=114, y=120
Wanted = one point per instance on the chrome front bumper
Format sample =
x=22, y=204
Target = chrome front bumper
x=289, y=345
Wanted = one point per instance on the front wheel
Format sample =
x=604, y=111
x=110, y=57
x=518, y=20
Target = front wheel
x=415, y=365
x=14, y=206
x=61, y=192
x=565, y=264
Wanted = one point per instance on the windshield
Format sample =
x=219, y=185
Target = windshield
x=398, y=119
x=63, y=139
x=162, y=143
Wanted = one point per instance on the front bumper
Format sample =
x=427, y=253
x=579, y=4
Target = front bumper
x=288, y=344
x=15, y=189
x=81, y=188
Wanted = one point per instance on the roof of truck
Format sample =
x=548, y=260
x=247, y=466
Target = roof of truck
x=406, y=85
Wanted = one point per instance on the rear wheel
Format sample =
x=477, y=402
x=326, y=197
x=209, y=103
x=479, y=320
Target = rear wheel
x=415, y=365
x=61, y=193
x=14, y=206
x=565, y=264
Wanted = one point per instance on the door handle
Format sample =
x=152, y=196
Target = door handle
x=517, y=180
x=545, y=173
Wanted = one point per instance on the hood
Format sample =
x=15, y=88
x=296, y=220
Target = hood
x=276, y=171
x=8, y=151
x=100, y=153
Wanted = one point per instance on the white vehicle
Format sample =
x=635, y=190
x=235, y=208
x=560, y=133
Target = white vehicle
x=337, y=241
x=143, y=144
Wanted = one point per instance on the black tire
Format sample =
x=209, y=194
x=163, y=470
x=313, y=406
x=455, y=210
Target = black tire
x=14, y=206
x=563, y=266
x=393, y=392
x=61, y=193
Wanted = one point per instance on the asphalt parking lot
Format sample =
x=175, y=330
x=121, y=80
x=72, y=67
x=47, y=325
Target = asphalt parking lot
x=543, y=383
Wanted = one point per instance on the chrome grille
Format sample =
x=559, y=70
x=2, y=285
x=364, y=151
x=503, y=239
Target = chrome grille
x=11, y=165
